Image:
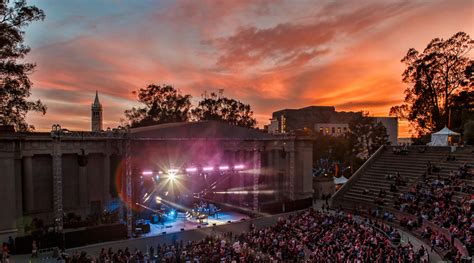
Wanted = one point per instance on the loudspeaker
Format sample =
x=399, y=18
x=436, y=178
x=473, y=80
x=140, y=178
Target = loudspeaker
x=82, y=159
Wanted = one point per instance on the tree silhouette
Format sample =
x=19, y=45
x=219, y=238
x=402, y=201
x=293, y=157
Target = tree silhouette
x=221, y=108
x=435, y=77
x=366, y=135
x=162, y=104
x=14, y=82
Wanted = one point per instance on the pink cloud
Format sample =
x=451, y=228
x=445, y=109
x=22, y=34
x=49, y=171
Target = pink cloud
x=272, y=55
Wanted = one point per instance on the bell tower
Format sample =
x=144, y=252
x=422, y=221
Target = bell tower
x=96, y=114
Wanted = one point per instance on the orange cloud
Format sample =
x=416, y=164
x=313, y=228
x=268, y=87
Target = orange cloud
x=270, y=54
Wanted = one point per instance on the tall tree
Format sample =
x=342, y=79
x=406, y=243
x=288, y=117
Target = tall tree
x=161, y=104
x=366, y=135
x=217, y=107
x=434, y=77
x=14, y=82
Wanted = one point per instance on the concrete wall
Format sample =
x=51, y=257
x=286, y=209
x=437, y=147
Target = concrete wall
x=95, y=182
x=304, y=169
x=26, y=170
x=7, y=196
x=70, y=170
x=42, y=183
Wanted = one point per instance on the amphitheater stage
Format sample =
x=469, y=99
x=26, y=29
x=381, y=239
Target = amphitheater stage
x=182, y=223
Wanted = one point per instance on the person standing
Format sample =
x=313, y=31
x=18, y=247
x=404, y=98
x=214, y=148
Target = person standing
x=34, y=249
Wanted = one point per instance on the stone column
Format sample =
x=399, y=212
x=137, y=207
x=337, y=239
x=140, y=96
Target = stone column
x=242, y=160
x=291, y=173
x=83, y=193
x=256, y=175
x=28, y=186
x=272, y=173
x=106, y=175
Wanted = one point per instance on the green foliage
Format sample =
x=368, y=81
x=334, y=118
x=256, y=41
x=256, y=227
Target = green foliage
x=435, y=77
x=14, y=82
x=469, y=132
x=224, y=109
x=366, y=135
x=162, y=104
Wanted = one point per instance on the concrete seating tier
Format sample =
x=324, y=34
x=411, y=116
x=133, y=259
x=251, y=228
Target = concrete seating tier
x=411, y=166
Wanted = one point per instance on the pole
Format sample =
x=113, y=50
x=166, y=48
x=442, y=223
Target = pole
x=128, y=186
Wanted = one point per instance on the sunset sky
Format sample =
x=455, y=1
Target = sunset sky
x=271, y=54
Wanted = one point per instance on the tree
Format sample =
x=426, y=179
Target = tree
x=14, y=82
x=434, y=78
x=366, y=135
x=162, y=104
x=221, y=108
x=469, y=132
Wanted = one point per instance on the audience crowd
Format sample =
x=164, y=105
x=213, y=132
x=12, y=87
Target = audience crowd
x=433, y=199
x=310, y=236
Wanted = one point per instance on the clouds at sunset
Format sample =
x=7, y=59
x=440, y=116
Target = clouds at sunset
x=270, y=54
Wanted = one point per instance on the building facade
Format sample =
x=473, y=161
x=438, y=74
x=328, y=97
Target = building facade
x=324, y=119
x=90, y=166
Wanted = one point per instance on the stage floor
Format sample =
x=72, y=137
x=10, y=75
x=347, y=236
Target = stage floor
x=172, y=226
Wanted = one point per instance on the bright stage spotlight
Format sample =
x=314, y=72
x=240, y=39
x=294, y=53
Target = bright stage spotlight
x=158, y=199
x=207, y=169
x=173, y=171
x=239, y=167
x=147, y=173
x=224, y=168
x=191, y=169
x=172, y=176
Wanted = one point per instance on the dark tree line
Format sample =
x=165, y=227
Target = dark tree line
x=439, y=85
x=365, y=135
x=15, y=85
x=164, y=104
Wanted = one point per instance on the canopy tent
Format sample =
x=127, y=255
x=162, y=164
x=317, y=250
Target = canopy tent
x=441, y=138
x=340, y=180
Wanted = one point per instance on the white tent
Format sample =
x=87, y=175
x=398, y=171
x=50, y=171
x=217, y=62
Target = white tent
x=441, y=138
x=340, y=180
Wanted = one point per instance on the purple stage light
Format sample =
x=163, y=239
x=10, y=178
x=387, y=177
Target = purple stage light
x=224, y=167
x=191, y=169
x=209, y=168
x=147, y=173
x=239, y=167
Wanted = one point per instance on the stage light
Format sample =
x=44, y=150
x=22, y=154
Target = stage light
x=160, y=172
x=157, y=177
x=173, y=171
x=209, y=168
x=158, y=199
x=239, y=167
x=172, y=213
x=147, y=173
x=223, y=168
x=191, y=169
x=172, y=176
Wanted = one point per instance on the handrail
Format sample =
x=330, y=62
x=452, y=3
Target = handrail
x=339, y=194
